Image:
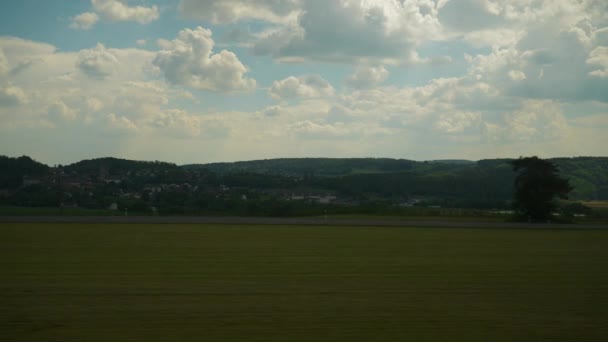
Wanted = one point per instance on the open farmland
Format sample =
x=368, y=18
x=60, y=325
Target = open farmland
x=188, y=282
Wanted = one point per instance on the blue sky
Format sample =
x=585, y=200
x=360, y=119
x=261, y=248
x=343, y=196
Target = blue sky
x=222, y=80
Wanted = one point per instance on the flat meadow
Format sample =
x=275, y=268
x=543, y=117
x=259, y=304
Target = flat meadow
x=191, y=282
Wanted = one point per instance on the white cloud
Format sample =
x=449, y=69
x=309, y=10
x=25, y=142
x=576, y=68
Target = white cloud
x=119, y=10
x=274, y=111
x=517, y=75
x=141, y=42
x=546, y=63
x=228, y=11
x=496, y=38
x=59, y=111
x=308, y=86
x=84, y=21
x=599, y=58
x=114, y=10
x=469, y=15
x=536, y=120
x=457, y=122
x=367, y=76
x=181, y=124
x=77, y=87
x=177, y=122
x=16, y=49
x=120, y=125
x=12, y=96
x=314, y=130
x=98, y=62
x=339, y=130
x=345, y=31
x=189, y=60
x=4, y=66
x=94, y=104
x=597, y=121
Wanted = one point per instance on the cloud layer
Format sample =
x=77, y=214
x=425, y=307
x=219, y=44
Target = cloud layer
x=419, y=79
x=114, y=10
x=308, y=86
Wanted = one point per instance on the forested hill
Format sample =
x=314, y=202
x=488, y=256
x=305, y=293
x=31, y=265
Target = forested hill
x=311, y=166
x=12, y=170
x=480, y=182
x=116, y=166
x=481, y=179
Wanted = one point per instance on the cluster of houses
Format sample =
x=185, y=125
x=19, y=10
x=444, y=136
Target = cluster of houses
x=122, y=188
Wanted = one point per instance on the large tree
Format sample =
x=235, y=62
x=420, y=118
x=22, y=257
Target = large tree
x=537, y=187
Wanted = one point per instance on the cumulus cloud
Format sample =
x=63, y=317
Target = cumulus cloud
x=367, y=76
x=468, y=15
x=97, y=62
x=119, y=125
x=308, y=86
x=517, y=75
x=4, y=66
x=228, y=11
x=94, y=104
x=15, y=50
x=457, y=122
x=119, y=10
x=114, y=10
x=59, y=111
x=67, y=87
x=12, y=96
x=497, y=38
x=177, y=122
x=308, y=129
x=189, y=60
x=315, y=130
x=536, y=120
x=353, y=30
x=545, y=64
x=84, y=21
x=181, y=124
x=274, y=111
x=599, y=59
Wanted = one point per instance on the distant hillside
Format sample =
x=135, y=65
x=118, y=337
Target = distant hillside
x=311, y=166
x=484, y=179
x=116, y=166
x=12, y=170
x=588, y=175
x=452, y=161
x=485, y=183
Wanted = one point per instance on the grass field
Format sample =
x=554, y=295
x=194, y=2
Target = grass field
x=597, y=205
x=93, y=282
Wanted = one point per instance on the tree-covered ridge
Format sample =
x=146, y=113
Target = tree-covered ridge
x=115, y=166
x=484, y=179
x=588, y=176
x=281, y=186
x=311, y=166
x=13, y=170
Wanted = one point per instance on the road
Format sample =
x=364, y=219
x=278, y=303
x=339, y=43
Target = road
x=444, y=223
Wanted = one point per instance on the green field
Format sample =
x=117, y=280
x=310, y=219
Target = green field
x=93, y=282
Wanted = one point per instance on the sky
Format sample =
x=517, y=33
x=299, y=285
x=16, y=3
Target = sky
x=197, y=81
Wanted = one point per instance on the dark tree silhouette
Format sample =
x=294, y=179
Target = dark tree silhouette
x=537, y=186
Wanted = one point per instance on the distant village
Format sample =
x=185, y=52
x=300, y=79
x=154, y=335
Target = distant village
x=280, y=187
x=169, y=190
x=145, y=190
